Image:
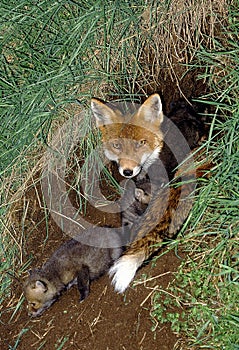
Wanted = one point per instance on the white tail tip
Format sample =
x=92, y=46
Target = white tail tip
x=123, y=272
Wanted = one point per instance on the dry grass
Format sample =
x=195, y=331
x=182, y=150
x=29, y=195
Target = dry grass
x=170, y=37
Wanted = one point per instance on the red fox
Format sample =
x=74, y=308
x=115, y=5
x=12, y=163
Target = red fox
x=72, y=263
x=135, y=142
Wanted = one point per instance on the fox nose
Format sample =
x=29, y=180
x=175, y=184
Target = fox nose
x=128, y=172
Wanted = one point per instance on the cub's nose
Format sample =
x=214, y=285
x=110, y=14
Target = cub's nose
x=128, y=172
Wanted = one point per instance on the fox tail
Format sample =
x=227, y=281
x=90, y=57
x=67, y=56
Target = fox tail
x=124, y=270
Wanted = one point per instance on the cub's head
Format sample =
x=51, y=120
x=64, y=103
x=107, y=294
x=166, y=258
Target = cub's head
x=132, y=141
x=143, y=193
x=39, y=293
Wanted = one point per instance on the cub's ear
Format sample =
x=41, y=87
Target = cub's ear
x=151, y=110
x=138, y=192
x=41, y=286
x=102, y=113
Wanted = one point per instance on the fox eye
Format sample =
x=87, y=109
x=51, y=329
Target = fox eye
x=140, y=143
x=33, y=304
x=116, y=145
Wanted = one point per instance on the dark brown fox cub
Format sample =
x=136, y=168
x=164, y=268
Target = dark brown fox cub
x=72, y=263
x=134, y=201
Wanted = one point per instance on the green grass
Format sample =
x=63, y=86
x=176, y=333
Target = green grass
x=23, y=331
x=56, y=52
x=53, y=52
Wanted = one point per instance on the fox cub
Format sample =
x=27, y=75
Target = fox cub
x=72, y=263
x=135, y=201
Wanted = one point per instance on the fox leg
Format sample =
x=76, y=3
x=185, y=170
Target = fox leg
x=83, y=282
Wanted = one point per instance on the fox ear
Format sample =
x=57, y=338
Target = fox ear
x=151, y=110
x=41, y=286
x=102, y=113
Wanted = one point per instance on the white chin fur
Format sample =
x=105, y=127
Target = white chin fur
x=136, y=171
x=123, y=272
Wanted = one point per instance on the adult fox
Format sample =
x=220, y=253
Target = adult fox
x=135, y=142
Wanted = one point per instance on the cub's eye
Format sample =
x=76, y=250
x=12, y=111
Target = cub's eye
x=33, y=304
x=140, y=143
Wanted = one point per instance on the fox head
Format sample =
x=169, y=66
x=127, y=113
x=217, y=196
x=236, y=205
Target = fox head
x=132, y=141
x=39, y=293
